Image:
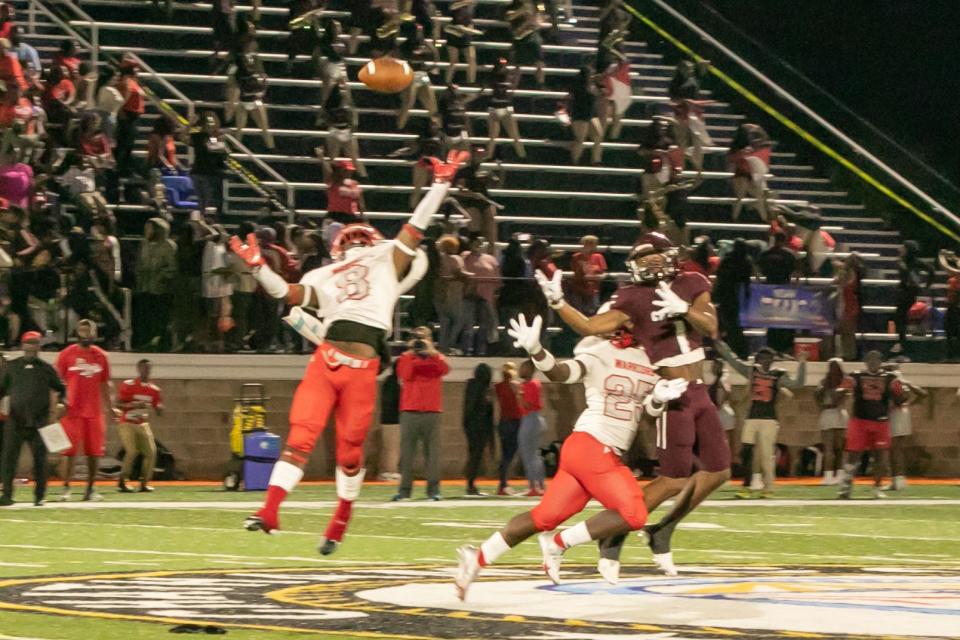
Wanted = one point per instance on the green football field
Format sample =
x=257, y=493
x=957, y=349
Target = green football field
x=155, y=540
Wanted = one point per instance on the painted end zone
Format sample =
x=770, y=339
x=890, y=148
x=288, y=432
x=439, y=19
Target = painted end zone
x=418, y=602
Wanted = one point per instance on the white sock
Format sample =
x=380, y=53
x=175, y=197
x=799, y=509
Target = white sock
x=286, y=476
x=493, y=548
x=348, y=487
x=577, y=534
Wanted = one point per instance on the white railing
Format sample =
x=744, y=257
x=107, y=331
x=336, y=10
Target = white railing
x=92, y=44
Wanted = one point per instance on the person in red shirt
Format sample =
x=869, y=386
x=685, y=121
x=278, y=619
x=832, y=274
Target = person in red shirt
x=10, y=70
x=128, y=115
x=135, y=398
x=6, y=19
x=68, y=57
x=420, y=370
x=344, y=195
x=531, y=426
x=511, y=412
x=588, y=269
x=86, y=371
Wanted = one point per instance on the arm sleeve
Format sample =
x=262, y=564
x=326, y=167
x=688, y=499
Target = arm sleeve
x=404, y=368
x=739, y=366
x=433, y=367
x=799, y=381
x=123, y=393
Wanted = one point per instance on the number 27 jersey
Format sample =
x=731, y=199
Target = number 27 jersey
x=363, y=289
x=616, y=382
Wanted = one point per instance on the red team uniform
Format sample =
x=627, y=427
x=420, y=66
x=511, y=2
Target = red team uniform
x=692, y=422
x=869, y=425
x=135, y=390
x=84, y=370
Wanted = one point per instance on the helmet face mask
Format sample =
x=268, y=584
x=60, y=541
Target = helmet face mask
x=652, y=259
x=353, y=237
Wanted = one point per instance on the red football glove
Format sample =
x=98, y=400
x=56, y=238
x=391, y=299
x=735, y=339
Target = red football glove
x=249, y=252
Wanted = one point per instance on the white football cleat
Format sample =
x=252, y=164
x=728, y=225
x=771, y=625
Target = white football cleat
x=552, y=555
x=609, y=570
x=467, y=569
x=664, y=562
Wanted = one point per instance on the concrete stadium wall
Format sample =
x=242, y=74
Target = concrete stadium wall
x=199, y=394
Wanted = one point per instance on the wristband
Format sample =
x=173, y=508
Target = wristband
x=404, y=248
x=547, y=363
x=414, y=231
x=653, y=407
x=273, y=284
x=557, y=304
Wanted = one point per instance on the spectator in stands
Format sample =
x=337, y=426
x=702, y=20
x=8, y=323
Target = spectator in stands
x=162, y=147
x=27, y=56
x=477, y=422
x=216, y=290
x=93, y=144
x=79, y=180
x=305, y=30
x=480, y=298
x=128, y=116
x=614, y=28
x=702, y=258
x=156, y=272
x=914, y=275
x=209, y=160
x=247, y=86
x=328, y=59
x=508, y=397
x=589, y=268
x=6, y=19
x=733, y=280
x=30, y=384
x=136, y=398
x=532, y=426
x=848, y=279
x=16, y=181
x=341, y=120
x=518, y=286
x=831, y=397
x=662, y=163
x=684, y=92
x=107, y=247
x=500, y=110
x=449, y=292
x=57, y=97
x=345, y=203
x=68, y=56
x=610, y=102
x=749, y=159
x=109, y=101
x=421, y=370
x=224, y=26
x=244, y=295
x=455, y=124
x=778, y=264
x=191, y=238
x=901, y=428
x=422, y=59
x=527, y=46
x=951, y=322
x=10, y=70
x=267, y=310
x=473, y=195
x=460, y=33
x=582, y=106
x=86, y=87
x=425, y=14
x=429, y=144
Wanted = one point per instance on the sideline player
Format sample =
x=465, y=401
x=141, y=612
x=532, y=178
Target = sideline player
x=85, y=370
x=670, y=313
x=620, y=383
x=356, y=296
x=869, y=426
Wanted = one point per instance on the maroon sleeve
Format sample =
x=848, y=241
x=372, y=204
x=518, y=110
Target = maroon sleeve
x=689, y=286
x=628, y=300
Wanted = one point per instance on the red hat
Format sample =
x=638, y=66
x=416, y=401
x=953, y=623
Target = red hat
x=30, y=336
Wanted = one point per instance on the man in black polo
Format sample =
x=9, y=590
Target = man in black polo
x=30, y=383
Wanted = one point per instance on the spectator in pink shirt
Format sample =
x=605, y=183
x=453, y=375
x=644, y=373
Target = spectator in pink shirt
x=589, y=267
x=479, y=302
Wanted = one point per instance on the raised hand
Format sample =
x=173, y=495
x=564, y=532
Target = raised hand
x=670, y=304
x=526, y=336
x=552, y=287
x=249, y=252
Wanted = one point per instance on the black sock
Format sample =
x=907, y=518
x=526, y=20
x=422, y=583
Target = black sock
x=660, y=537
x=611, y=547
x=746, y=459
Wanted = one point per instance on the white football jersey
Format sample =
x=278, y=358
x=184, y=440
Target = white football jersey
x=616, y=382
x=363, y=288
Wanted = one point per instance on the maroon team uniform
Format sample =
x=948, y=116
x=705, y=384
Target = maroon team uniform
x=691, y=425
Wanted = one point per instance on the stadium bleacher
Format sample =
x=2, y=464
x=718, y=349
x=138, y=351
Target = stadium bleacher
x=544, y=194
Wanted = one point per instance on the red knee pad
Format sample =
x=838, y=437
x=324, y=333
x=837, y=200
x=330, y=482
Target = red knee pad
x=635, y=516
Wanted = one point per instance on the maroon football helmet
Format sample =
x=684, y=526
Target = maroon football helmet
x=648, y=244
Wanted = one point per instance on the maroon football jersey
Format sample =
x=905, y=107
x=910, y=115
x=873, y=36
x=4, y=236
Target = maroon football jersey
x=672, y=342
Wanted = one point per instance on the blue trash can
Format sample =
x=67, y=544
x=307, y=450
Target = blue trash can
x=261, y=450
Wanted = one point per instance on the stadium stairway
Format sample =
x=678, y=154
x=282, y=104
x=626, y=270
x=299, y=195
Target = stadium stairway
x=544, y=194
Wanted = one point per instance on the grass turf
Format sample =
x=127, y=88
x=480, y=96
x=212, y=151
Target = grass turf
x=52, y=540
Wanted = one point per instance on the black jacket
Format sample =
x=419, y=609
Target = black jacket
x=29, y=383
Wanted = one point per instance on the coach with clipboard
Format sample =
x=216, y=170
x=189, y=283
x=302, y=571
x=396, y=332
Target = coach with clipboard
x=30, y=382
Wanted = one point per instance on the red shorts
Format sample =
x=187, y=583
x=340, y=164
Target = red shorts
x=690, y=430
x=340, y=383
x=590, y=469
x=89, y=432
x=867, y=435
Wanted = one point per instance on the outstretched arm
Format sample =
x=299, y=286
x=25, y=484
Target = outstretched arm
x=272, y=283
x=801, y=378
x=527, y=337
x=606, y=322
x=738, y=365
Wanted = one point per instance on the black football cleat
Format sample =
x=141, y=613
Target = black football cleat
x=327, y=547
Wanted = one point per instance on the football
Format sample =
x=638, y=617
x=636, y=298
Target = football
x=386, y=75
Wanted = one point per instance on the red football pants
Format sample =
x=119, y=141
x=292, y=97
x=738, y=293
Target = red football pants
x=590, y=469
x=332, y=385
